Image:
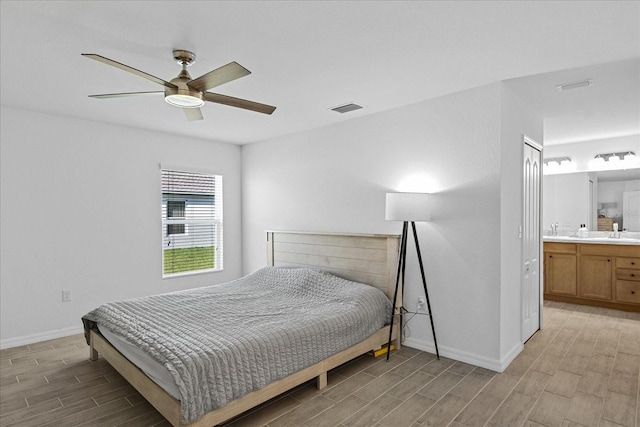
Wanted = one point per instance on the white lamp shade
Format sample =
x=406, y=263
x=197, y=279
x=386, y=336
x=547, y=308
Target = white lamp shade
x=407, y=207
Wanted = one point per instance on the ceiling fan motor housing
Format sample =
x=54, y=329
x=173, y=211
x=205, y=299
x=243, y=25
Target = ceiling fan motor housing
x=183, y=96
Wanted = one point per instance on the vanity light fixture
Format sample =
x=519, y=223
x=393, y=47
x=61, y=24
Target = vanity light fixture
x=619, y=160
x=555, y=165
x=575, y=85
x=557, y=161
x=616, y=157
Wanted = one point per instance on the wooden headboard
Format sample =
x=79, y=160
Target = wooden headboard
x=366, y=258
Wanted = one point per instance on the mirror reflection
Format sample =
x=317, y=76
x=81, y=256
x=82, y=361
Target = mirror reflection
x=596, y=199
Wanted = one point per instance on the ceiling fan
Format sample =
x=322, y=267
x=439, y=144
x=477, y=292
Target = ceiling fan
x=187, y=93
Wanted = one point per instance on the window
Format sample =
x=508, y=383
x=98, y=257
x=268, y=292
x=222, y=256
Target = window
x=175, y=210
x=191, y=222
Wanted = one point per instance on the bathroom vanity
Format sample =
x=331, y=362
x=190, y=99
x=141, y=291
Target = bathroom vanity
x=598, y=272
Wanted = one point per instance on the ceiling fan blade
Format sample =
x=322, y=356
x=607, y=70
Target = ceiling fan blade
x=221, y=75
x=239, y=103
x=142, y=74
x=122, y=95
x=193, y=114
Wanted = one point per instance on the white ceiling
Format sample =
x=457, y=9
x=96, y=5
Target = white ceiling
x=306, y=57
x=610, y=108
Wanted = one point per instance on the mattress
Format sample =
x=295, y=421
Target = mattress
x=154, y=370
x=221, y=342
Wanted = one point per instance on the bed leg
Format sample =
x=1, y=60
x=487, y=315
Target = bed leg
x=322, y=381
x=93, y=353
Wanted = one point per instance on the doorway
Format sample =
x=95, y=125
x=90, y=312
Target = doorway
x=531, y=301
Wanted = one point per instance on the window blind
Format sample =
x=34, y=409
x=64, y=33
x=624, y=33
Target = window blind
x=191, y=222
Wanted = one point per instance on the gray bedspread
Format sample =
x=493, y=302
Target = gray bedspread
x=224, y=341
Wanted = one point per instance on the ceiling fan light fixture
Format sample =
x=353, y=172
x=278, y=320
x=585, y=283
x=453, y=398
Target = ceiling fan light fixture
x=178, y=98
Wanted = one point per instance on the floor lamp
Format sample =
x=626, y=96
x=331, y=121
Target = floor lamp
x=408, y=207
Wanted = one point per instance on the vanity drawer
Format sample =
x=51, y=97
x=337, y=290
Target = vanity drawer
x=560, y=248
x=622, y=274
x=628, y=263
x=627, y=291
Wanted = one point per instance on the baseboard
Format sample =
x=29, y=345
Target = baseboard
x=41, y=336
x=497, y=365
x=511, y=355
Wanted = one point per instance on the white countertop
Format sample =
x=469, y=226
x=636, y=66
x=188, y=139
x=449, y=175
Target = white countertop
x=590, y=240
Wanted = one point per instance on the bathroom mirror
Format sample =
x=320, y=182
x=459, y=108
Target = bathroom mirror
x=592, y=198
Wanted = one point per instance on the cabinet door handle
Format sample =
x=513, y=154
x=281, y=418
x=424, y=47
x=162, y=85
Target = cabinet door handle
x=633, y=292
x=633, y=275
x=633, y=263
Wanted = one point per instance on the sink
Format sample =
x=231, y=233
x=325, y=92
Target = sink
x=609, y=239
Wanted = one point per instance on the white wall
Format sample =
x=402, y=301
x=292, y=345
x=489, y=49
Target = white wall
x=517, y=119
x=97, y=226
x=335, y=179
x=80, y=210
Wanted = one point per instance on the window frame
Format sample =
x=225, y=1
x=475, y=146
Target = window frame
x=192, y=221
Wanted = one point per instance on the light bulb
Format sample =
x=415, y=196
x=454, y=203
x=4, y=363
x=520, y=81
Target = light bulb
x=597, y=163
x=550, y=167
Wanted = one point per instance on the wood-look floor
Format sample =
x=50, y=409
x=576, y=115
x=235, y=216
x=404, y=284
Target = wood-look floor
x=582, y=369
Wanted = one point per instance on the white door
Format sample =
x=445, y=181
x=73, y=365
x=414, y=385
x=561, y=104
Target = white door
x=630, y=211
x=592, y=222
x=531, y=239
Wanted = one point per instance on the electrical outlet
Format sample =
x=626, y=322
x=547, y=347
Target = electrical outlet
x=420, y=304
x=66, y=295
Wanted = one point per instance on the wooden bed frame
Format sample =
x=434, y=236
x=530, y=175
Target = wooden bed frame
x=367, y=258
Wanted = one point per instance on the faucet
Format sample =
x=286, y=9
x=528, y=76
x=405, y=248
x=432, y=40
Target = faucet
x=554, y=228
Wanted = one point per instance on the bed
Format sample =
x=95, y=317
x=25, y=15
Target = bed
x=351, y=259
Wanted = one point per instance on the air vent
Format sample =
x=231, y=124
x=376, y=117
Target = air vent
x=575, y=85
x=346, y=108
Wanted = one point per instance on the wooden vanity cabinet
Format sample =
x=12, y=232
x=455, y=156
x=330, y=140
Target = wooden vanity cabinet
x=560, y=269
x=628, y=280
x=594, y=277
x=593, y=274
